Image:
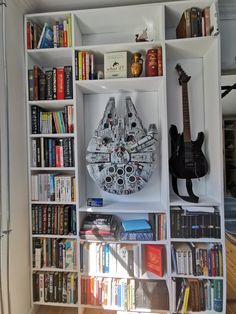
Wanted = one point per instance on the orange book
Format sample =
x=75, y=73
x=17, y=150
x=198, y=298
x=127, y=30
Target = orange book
x=154, y=258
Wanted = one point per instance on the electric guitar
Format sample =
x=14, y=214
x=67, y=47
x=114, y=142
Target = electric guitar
x=187, y=160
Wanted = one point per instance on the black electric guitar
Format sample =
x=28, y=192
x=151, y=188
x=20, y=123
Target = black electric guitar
x=187, y=160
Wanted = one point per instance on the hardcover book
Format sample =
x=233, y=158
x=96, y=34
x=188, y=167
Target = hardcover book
x=154, y=258
x=115, y=65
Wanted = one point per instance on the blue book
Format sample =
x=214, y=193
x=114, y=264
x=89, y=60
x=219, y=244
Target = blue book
x=136, y=236
x=135, y=225
x=47, y=38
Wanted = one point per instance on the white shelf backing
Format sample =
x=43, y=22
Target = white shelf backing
x=90, y=28
x=188, y=47
x=122, y=85
x=48, y=58
x=150, y=108
x=209, y=186
x=174, y=11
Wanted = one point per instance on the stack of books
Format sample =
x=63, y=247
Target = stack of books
x=99, y=227
x=135, y=229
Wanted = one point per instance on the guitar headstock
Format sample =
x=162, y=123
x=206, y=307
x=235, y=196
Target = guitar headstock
x=183, y=77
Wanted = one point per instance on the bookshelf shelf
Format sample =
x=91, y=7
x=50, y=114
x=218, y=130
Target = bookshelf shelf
x=53, y=135
x=140, y=84
x=53, y=203
x=54, y=236
x=164, y=242
x=126, y=207
x=157, y=100
x=198, y=277
x=63, y=169
x=54, y=269
x=56, y=304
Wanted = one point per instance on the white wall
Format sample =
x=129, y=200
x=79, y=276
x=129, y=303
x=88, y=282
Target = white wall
x=19, y=239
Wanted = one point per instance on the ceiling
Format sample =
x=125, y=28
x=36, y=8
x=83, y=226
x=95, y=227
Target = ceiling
x=226, y=7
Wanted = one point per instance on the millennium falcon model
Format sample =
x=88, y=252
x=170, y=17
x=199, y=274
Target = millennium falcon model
x=122, y=154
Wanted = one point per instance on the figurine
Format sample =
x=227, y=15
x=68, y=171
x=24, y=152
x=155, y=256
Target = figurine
x=142, y=37
x=137, y=65
x=122, y=154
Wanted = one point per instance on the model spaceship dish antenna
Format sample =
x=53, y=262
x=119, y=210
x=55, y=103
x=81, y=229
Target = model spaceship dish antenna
x=122, y=154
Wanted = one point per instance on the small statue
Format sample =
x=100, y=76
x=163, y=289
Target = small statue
x=137, y=65
x=142, y=37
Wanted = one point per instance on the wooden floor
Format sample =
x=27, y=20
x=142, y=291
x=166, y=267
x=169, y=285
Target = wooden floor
x=231, y=289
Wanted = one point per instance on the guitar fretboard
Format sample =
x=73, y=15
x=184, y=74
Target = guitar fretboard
x=186, y=119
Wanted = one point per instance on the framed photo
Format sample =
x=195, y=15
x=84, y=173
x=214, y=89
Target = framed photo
x=115, y=65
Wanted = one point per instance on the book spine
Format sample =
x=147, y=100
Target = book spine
x=49, y=84
x=42, y=85
x=76, y=65
x=31, y=84
x=80, y=65
x=159, y=62
x=60, y=83
x=36, y=82
x=54, y=80
x=68, y=88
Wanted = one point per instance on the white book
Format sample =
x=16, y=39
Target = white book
x=214, y=19
x=190, y=261
x=38, y=257
x=57, y=188
x=122, y=260
x=109, y=291
x=42, y=34
x=69, y=254
x=113, y=258
x=136, y=261
x=41, y=287
x=92, y=256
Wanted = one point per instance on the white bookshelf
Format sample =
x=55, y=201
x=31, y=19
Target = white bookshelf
x=157, y=100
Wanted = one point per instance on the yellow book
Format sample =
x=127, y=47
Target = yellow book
x=220, y=261
x=69, y=31
x=186, y=297
x=80, y=65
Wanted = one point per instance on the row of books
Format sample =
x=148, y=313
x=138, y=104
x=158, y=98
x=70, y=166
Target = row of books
x=46, y=122
x=84, y=65
x=110, y=227
x=188, y=224
x=58, y=287
x=51, y=152
x=199, y=295
x=124, y=294
x=196, y=22
x=58, y=253
x=55, y=36
x=197, y=261
x=50, y=83
x=53, y=187
x=109, y=258
x=53, y=219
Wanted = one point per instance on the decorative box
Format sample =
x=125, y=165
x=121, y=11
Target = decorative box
x=115, y=65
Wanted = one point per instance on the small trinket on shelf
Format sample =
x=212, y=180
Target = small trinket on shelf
x=137, y=65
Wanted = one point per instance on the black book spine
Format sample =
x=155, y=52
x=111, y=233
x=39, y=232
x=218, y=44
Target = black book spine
x=55, y=287
x=68, y=87
x=46, y=153
x=71, y=152
x=65, y=145
x=38, y=152
x=217, y=224
x=65, y=116
x=66, y=220
x=34, y=120
x=49, y=220
x=46, y=287
x=49, y=84
x=60, y=287
x=42, y=84
x=51, y=277
x=54, y=83
x=35, y=287
x=31, y=84
x=40, y=219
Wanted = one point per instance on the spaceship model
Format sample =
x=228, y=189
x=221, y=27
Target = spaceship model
x=122, y=154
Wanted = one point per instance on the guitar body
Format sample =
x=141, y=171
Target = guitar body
x=187, y=160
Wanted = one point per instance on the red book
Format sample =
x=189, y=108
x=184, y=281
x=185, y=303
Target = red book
x=29, y=35
x=213, y=262
x=60, y=83
x=151, y=62
x=154, y=258
x=159, y=62
x=58, y=156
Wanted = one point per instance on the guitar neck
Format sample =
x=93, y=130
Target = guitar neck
x=186, y=119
